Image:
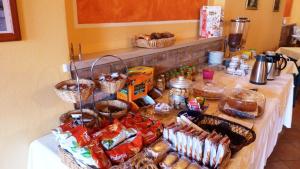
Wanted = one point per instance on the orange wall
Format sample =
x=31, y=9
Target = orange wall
x=96, y=38
x=107, y=11
x=265, y=27
x=295, y=13
x=288, y=8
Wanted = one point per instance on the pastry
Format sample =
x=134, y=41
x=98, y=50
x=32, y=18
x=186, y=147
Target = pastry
x=243, y=100
x=167, y=35
x=169, y=160
x=182, y=163
x=155, y=35
x=158, y=149
x=209, y=91
x=194, y=166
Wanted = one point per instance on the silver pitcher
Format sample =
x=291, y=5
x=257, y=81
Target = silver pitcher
x=259, y=71
x=271, y=68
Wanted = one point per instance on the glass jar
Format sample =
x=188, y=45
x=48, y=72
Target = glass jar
x=180, y=91
x=238, y=32
x=160, y=85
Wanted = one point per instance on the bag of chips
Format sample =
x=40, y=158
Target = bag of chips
x=99, y=155
x=126, y=150
x=113, y=134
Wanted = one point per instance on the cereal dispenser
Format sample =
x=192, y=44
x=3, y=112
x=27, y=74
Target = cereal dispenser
x=238, y=33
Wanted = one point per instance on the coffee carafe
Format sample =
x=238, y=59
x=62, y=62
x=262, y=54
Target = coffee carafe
x=280, y=63
x=259, y=71
x=271, y=67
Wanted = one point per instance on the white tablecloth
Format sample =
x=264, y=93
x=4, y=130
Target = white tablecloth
x=293, y=52
x=278, y=112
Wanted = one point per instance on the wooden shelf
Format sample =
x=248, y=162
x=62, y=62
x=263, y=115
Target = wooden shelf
x=88, y=59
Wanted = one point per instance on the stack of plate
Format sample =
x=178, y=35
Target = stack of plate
x=215, y=57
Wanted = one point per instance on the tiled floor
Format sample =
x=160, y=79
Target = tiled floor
x=286, y=154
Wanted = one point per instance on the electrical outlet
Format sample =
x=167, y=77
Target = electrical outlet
x=65, y=68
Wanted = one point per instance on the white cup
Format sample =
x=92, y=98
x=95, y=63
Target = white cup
x=215, y=57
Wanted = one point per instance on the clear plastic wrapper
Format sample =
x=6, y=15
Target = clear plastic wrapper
x=198, y=146
x=181, y=139
x=214, y=149
x=242, y=103
x=223, y=150
x=207, y=148
x=209, y=90
x=166, y=131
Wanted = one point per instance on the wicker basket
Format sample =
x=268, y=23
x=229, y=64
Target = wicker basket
x=102, y=108
x=93, y=120
x=240, y=136
x=113, y=86
x=69, y=160
x=72, y=95
x=155, y=43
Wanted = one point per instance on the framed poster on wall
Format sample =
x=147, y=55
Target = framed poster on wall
x=276, y=5
x=252, y=4
x=9, y=21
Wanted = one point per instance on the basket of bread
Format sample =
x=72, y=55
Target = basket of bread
x=154, y=40
x=86, y=116
x=112, y=108
x=68, y=90
x=111, y=83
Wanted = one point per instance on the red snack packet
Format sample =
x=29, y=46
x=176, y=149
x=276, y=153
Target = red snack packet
x=66, y=126
x=81, y=135
x=99, y=155
x=152, y=133
x=113, y=134
x=150, y=129
x=126, y=150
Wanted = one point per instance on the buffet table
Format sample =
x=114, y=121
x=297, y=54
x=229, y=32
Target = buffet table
x=43, y=152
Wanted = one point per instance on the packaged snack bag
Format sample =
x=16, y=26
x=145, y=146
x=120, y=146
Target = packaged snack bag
x=81, y=135
x=99, y=155
x=113, y=134
x=126, y=150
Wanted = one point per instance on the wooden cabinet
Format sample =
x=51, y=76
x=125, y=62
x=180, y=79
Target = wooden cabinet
x=286, y=35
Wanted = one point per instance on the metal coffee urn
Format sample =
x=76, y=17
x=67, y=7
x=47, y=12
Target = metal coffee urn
x=259, y=71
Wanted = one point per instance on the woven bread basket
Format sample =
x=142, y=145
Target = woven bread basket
x=113, y=86
x=73, y=96
x=90, y=118
x=240, y=136
x=154, y=43
x=102, y=108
